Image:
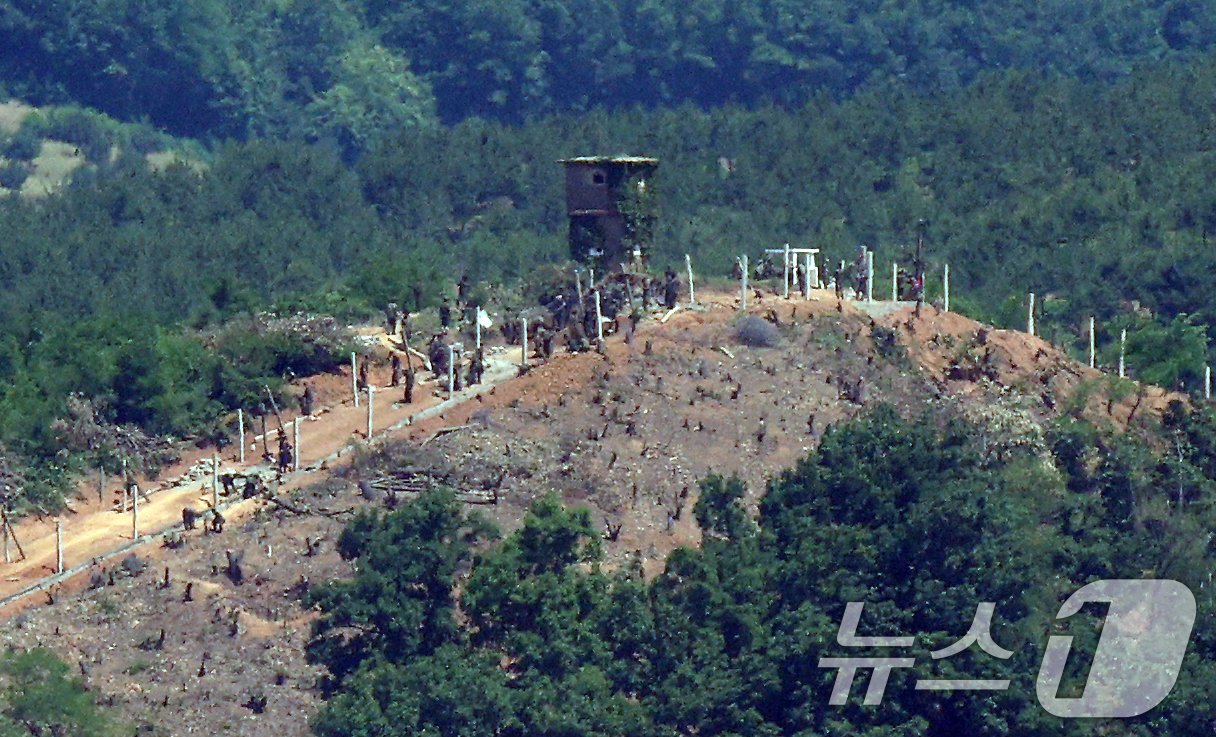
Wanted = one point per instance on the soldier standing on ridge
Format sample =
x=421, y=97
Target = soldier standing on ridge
x=671, y=290
x=392, y=315
x=308, y=401
x=285, y=452
x=445, y=313
x=410, y=379
x=462, y=291
x=860, y=272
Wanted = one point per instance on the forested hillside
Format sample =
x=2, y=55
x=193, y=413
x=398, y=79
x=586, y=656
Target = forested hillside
x=912, y=516
x=353, y=70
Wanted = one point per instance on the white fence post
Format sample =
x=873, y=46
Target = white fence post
x=946, y=286
x=1123, y=354
x=692, y=290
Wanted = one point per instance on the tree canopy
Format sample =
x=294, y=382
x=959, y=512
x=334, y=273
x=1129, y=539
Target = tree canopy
x=905, y=515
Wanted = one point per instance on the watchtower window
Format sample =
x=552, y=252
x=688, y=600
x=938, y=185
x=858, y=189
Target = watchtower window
x=598, y=177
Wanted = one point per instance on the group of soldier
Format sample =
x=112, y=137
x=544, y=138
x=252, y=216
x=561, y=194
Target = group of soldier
x=564, y=315
x=624, y=294
x=857, y=275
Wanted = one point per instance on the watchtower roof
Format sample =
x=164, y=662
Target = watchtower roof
x=642, y=160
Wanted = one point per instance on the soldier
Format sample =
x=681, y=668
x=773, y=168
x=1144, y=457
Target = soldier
x=285, y=455
x=410, y=379
x=438, y=353
x=576, y=341
x=546, y=344
x=462, y=290
x=217, y=521
x=477, y=368
x=189, y=518
x=589, y=326
x=671, y=291
x=445, y=313
x=737, y=271
x=251, y=488
x=308, y=400
x=860, y=272
x=362, y=381
x=839, y=281
x=406, y=333
x=561, y=312
x=396, y=363
x=391, y=317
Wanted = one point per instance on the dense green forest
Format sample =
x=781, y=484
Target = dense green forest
x=1096, y=196
x=914, y=517
x=351, y=71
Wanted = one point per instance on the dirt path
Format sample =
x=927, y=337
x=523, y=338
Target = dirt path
x=94, y=528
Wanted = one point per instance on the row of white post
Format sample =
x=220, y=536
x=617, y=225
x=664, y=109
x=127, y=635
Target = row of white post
x=811, y=276
x=1093, y=348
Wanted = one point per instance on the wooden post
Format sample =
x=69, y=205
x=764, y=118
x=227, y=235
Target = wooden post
x=1030, y=315
x=743, y=284
x=1093, y=345
x=371, y=408
x=295, y=426
x=58, y=546
x=599, y=318
x=101, y=486
x=946, y=286
x=477, y=324
x=785, y=262
x=1123, y=354
x=8, y=525
x=354, y=379
x=869, y=275
x=126, y=484
x=240, y=421
x=135, y=515
x=8, y=558
x=692, y=289
x=215, y=479
x=578, y=284
x=894, y=281
x=1207, y=382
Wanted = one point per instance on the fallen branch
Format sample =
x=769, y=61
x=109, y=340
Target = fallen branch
x=670, y=312
x=426, y=361
x=726, y=351
x=302, y=511
x=445, y=431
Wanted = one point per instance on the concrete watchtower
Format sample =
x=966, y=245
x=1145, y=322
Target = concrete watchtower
x=612, y=208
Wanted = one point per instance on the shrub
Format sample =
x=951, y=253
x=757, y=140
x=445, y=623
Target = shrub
x=757, y=333
x=26, y=143
x=13, y=174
